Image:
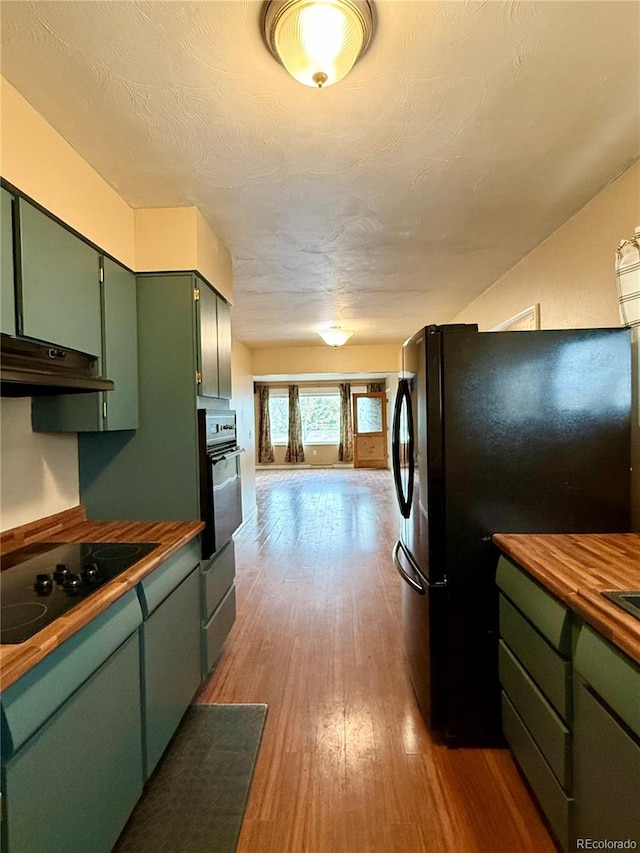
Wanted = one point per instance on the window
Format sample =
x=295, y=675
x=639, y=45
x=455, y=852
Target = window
x=320, y=412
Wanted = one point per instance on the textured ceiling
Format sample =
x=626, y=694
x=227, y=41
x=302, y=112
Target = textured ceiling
x=466, y=135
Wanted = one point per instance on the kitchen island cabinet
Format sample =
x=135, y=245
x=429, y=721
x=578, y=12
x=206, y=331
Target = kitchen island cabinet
x=606, y=740
x=570, y=673
x=535, y=674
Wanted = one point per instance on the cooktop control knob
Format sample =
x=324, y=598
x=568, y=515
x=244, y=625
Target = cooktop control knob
x=43, y=583
x=61, y=571
x=90, y=572
x=71, y=582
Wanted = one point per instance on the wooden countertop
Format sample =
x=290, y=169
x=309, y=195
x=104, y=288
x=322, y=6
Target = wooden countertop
x=72, y=526
x=576, y=567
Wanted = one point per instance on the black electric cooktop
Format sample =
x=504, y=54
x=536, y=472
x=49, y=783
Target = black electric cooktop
x=42, y=581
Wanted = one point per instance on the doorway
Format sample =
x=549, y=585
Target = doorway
x=370, y=430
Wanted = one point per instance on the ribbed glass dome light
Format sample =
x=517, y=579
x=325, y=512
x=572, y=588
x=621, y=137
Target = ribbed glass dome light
x=318, y=41
x=335, y=336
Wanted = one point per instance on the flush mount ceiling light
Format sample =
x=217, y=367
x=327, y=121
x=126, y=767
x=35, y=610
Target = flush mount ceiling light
x=318, y=41
x=335, y=336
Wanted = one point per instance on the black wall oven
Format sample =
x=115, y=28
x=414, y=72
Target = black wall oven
x=220, y=479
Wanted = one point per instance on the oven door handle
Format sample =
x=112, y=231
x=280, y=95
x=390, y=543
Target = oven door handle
x=222, y=457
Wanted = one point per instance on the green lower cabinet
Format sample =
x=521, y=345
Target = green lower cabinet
x=73, y=785
x=571, y=715
x=537, y=704
x=553, y=799
x=218, y=605
x=171, y=665
x=606, y=741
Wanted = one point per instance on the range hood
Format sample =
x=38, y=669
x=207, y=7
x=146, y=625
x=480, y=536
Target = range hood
x=30, y=368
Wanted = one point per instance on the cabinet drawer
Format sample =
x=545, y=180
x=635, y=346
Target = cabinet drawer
x=153, y=589
x=28, y=703
x=554, y=802
x=549, y=670
x=547, y=729
x=611, y=674
x=549, y=615
x=215, y=631
x=217, y=578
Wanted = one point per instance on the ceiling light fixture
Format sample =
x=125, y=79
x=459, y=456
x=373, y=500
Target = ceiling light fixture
x=317, y=41
x=335, y=336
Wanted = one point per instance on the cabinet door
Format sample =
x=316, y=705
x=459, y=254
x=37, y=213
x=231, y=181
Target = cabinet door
x=58, y=284
x=606, y=771
x=73, y=785
x=208, y=341
x=104, y=410
x=224, y=349
x=171, y=654
x=7, y=283
x=120, y=346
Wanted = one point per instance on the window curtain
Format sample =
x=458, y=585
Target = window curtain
x=375, y=387
x=295, y=450
x=345, y=450
x=265, y=448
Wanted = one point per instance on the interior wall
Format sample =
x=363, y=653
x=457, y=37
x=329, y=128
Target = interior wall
x=242, y=404
x=572, y=277
x=289, y=361
x=40, y=471
x=40, y=163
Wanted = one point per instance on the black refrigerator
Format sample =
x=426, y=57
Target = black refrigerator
x=525, y=432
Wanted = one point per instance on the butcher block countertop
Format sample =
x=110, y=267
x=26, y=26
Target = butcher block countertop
x=72, y=526
x=576, y=567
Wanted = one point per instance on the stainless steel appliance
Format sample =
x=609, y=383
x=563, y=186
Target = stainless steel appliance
x=521, y=432
x=220, y=479
x=42, y=581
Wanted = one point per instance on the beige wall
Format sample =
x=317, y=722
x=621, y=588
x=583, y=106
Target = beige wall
x=323, y=359
x=179, y=238
x=40, y=471
x=572, y=276
x=40, y=163
x=242, y=404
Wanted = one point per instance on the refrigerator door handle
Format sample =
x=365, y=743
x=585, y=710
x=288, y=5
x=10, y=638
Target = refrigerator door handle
x=404, y=501
x=414, y=582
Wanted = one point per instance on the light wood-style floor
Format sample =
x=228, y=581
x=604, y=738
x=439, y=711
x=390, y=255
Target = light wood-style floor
x=346, y=764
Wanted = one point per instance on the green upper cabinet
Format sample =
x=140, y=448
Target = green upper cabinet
x=224, y=348
x=208, y=340
x=110, y=410
x=58, y=284
x=120, y=346
x=7, y=283
x=214, y=341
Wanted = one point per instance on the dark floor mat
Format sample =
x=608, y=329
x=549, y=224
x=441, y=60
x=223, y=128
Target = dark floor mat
x=195, y=799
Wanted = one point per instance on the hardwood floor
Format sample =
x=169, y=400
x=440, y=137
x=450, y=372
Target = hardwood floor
x=346, y=764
